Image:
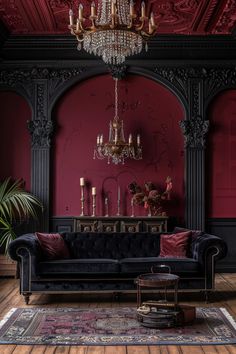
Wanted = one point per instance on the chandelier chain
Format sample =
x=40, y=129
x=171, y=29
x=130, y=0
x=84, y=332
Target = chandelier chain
x=116, y=99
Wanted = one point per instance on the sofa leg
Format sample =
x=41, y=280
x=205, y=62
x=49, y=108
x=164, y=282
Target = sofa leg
x=116, y=296
x=26, y=298
x=208, y=296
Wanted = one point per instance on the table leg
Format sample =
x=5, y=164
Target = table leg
x=138, y=295
x=176, y=294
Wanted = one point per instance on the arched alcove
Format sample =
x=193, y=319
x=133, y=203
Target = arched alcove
x=84, y=111
x=221, y=156
x=15, y=143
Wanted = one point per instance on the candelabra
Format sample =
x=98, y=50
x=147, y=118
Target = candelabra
x=94, y=201
x=82, y=195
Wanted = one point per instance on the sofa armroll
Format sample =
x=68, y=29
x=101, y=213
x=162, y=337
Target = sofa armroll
x=28, y=243
x=208, y=245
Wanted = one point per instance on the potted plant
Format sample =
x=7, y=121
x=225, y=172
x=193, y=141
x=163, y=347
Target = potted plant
x=16, y=206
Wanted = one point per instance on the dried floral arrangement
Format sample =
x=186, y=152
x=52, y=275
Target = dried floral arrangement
x=150, y=197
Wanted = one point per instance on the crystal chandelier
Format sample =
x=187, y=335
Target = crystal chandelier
x=114, y=31
x=116, y=150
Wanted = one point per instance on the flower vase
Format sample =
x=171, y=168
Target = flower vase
x=149, y=211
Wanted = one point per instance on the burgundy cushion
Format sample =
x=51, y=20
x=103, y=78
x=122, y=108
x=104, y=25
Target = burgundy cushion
x=53, y=246
x=195, y=233
x=194, y=237
x=175, y=245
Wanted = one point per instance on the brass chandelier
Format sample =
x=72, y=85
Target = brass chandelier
x=116, y=150
x=114, y=31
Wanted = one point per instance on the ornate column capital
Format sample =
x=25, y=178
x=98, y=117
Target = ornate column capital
x=194, y=131
x=41, y=130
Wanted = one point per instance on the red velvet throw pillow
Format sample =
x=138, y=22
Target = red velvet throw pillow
x=53, y=246
x=174, y=245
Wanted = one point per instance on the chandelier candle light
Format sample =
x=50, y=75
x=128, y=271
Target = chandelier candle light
x=116, y=150
x=114, y=32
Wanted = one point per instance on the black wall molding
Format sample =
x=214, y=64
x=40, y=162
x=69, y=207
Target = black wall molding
x=225, y=228
x=178, y=47
x=194, y=85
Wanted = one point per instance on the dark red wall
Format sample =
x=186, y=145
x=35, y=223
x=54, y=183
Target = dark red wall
x=15, y=139
x=146, y=108
x=221, y=156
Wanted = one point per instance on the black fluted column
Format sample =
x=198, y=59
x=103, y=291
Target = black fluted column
x=194, y=131
x=41, y=128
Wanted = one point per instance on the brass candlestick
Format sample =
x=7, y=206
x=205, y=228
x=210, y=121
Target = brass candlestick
x=82, y=201
x=82, y=183
x=94, y=201
x=118, y=202
x=106, y=207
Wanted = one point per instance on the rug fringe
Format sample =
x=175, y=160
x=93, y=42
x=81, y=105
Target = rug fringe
x=7, y=316
x=228, y=316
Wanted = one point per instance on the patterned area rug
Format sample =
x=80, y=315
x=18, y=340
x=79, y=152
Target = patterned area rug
x=110, y=326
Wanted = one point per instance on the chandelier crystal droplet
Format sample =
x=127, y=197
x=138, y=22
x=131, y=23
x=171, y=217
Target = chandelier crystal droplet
x=116, y=150
x=114, y=32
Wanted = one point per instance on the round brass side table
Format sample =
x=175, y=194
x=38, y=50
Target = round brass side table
x=158, y=314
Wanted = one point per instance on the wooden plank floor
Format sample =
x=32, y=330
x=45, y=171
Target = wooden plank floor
x=225, y=296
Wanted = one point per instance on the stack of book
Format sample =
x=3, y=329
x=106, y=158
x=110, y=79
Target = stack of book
x=156, y=314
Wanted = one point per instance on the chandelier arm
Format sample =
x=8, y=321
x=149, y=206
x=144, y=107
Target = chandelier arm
x=141, y=25
x=93, y=19
x=79, y=39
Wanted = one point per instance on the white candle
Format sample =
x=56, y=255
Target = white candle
x=81, y=181
x=101, y=139
x=152, y=20
x=113, y=7
x=71, y=16
x=131, y=7
x=93, y=190
x=143, y=9
x=118, y=194
x=138, y=140
x=98, y=140
x=93, y=13
x=150, y=27
x=130, y=139
x=80, y=12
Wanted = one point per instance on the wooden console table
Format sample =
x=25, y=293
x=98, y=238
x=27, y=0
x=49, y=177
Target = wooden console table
x=109, y=224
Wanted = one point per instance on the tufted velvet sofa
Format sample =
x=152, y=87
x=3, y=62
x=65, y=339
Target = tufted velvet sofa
x=111, y=262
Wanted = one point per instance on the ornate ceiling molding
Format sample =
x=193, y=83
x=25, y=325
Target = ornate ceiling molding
x=227, y=20
x=173, y=16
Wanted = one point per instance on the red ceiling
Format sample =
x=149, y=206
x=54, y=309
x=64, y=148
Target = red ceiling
x=176, y=16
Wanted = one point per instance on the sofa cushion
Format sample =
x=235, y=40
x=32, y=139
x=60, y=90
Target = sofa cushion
x=76, y=266
x=175, y=245
x=194, y=236
x=53, y=246
x=144, y=265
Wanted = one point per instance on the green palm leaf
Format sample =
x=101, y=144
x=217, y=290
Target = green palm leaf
x=15, y=205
